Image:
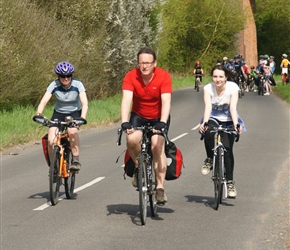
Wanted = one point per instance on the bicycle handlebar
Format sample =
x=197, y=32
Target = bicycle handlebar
x=142, y=128
x=220, y=129
x=69, y=122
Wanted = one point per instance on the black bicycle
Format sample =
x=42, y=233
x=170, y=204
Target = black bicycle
x=261, y=86
x=146, y=180
x=218, y=171
x=61, y=156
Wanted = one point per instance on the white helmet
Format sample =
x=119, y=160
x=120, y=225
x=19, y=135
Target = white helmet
x=225, y=58
x=284, y=55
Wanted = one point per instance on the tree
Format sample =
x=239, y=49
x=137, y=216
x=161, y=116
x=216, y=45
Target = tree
x=273, y=27
x=195, y=30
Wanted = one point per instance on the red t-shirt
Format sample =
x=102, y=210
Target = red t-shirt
x=147, y=98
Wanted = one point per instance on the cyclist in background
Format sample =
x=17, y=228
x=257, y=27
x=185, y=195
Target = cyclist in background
x=221, y=99
x=284, y=66
x=198, y=71
x=254, y=75
x=265, y=68
x=150, y=89
x=246, y=72
x=71, y=100
x=225, y=60
x=272, y=70
x=238, y=68
x=259, y=65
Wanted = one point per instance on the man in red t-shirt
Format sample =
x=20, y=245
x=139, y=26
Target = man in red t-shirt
x=150, y=89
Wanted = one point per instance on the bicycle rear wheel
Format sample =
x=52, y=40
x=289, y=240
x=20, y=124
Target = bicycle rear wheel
x=142, y=186
x=197, y=84
x=69, y=182
x=152, y=192
x=54, y=178
x=217, y=181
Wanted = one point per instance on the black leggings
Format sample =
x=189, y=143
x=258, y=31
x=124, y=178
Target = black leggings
x=228, y=142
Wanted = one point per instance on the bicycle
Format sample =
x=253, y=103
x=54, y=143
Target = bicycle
x=241, y=86
x=261, y=86
x=146, y=180
x=218, y=171
x=61, y=156
x=197, y=82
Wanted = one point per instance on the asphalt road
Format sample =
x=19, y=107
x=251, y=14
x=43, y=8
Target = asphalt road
x=104, y=213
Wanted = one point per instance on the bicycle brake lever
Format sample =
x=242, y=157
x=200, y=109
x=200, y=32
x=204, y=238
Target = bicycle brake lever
x=120, y=131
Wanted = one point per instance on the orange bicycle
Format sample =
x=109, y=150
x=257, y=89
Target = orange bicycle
x=61, y=157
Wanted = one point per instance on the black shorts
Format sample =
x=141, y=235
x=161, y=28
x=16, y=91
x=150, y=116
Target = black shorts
x=61, y=117
x=138, y=121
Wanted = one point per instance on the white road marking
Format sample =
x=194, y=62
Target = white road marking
x=48, y=204
x=196, y=127
x=178, y=137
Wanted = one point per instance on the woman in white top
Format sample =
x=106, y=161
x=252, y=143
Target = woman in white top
x=221, y=99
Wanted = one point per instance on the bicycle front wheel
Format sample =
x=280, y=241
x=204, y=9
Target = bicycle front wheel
x=142, y=186
x=54, y=178
x=218, y=188
x=69, y=182
x=152, y=197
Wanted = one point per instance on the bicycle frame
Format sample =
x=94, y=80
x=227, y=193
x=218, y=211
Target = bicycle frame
x=62, y=133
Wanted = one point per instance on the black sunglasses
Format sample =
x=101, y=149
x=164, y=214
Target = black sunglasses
x=65, y=76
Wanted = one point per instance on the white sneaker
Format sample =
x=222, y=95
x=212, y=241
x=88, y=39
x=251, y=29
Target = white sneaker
x=205, y=169
x=232, y=192
x=267, y=93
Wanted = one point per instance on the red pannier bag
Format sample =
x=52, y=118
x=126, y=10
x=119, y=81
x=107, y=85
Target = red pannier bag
x=174, y=161
x=129, y=164
x=45, y=148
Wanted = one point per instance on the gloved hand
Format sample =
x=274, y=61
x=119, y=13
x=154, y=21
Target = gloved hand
x=160, y=125
x=126, y=125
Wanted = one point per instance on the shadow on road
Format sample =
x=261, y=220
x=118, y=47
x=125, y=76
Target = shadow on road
x=133, y=212
x=207, y=201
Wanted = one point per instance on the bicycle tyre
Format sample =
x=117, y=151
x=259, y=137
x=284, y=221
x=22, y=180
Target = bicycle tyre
x=152, y=194
x=142, y=187
x=69, y=182
x=240, y=91
x=197, y=84
x=221, y=174
x=217, y=179
x=243, y=89
x=54, y=178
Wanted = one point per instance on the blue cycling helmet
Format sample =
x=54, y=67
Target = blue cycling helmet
x=64, y=68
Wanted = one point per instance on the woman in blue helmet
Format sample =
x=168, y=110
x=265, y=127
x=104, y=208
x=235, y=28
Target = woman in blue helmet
x=71, y=100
